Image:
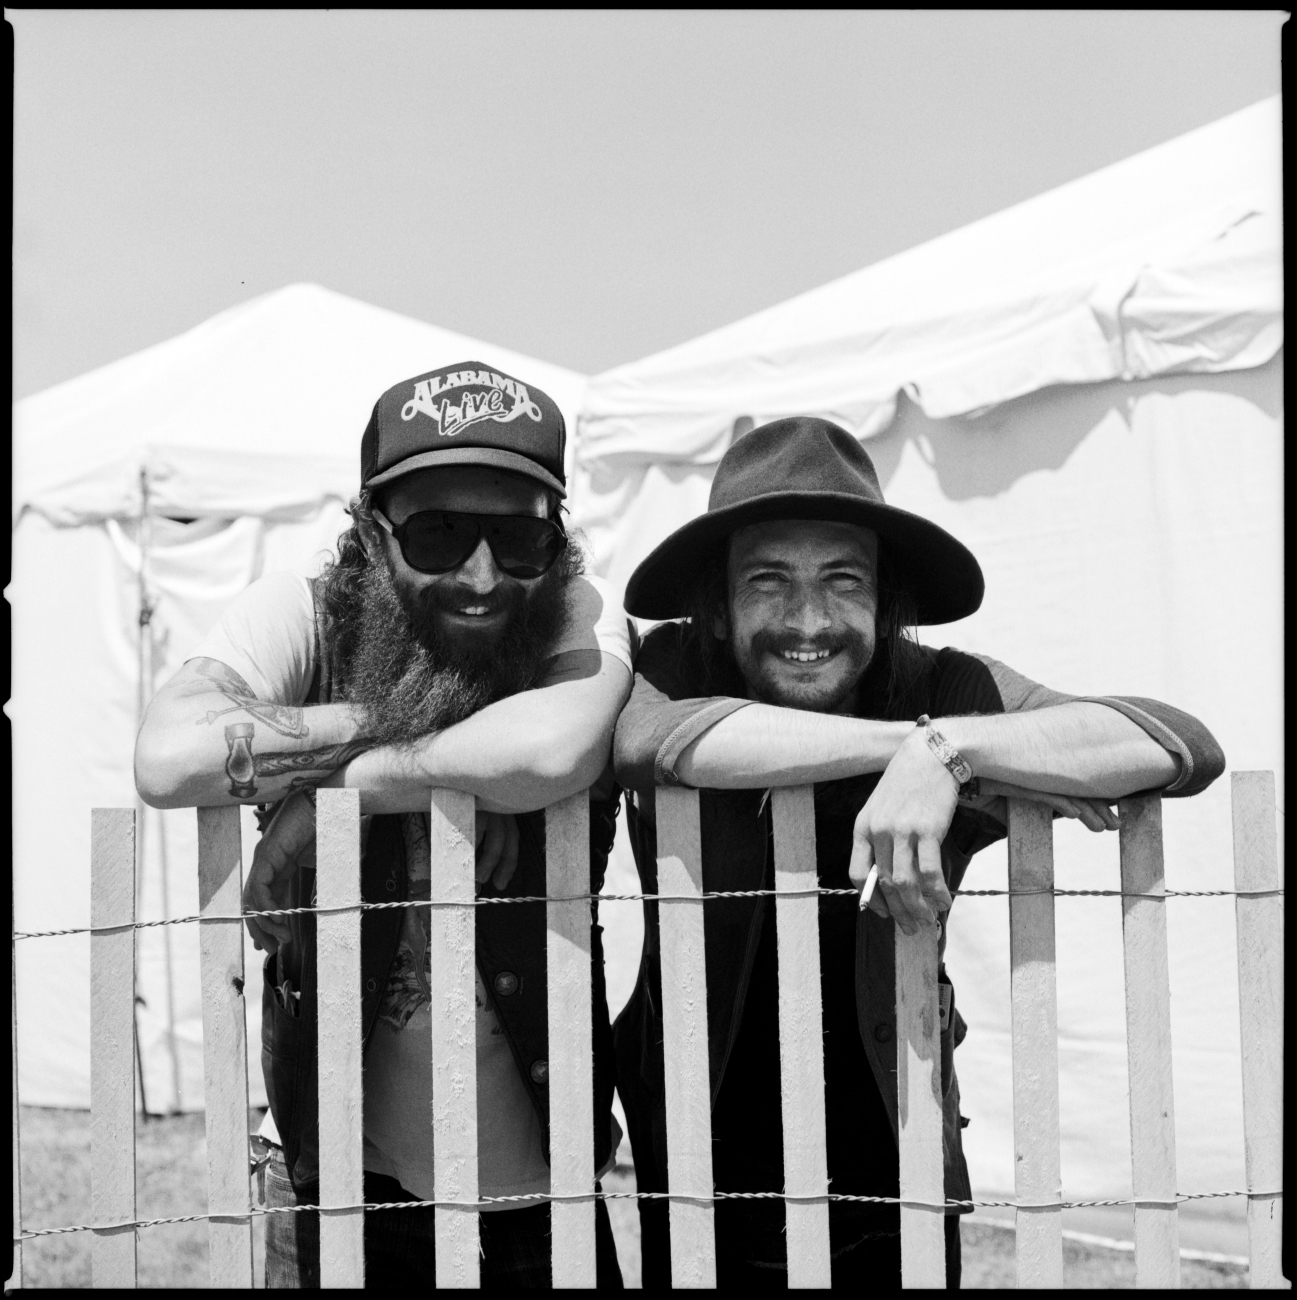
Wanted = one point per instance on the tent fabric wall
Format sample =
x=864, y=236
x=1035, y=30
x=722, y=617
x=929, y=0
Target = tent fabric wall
x=1165, y=262
x=248, y=426
x=255, y=406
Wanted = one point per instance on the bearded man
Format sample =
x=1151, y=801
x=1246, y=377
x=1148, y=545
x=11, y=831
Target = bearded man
x=793, y=667
x=453, y=643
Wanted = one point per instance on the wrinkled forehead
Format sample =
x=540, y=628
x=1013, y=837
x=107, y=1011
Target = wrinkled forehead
x=803, y=544
x=475, y=489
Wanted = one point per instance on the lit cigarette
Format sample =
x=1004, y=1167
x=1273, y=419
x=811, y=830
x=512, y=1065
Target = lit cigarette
x=868, y=892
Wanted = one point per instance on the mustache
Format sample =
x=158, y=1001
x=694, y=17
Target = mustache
x=422, y=608
x=771, y=642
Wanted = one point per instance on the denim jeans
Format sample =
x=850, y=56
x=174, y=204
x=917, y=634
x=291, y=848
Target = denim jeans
x=400, y=1244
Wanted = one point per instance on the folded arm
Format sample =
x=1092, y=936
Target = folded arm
x=1077, y=748
x=516, y=755
x=207, y=740
x=1010, y=729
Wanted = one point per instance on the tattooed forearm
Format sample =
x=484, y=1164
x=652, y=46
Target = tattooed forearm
x=242, y=766
x=286, y=720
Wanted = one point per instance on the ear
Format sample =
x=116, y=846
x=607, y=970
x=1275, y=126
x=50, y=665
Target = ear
x=720, y=626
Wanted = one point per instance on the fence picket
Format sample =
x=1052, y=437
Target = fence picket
x=112, y=1045
x=225, y=1046
x=571, y=1041
x=1033, y=980
x=342, y=1113
x=801, y=1037
x=453, y=947
x=1260, y=990
x=1148, y=1045
x=16, y=1276
x=684, y=1027
x=918, y=1074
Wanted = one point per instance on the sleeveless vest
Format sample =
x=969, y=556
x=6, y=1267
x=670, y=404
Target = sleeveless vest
x=511, y=958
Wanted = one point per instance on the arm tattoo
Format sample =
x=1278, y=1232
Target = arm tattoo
x=242, y=765
x=282, y=718
x=309, y=760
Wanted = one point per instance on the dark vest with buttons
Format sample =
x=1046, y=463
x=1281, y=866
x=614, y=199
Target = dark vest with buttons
x=511, y=957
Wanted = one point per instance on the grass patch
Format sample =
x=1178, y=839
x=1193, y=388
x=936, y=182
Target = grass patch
x=171, y=1179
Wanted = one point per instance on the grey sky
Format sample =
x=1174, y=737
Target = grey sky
x=587, y=188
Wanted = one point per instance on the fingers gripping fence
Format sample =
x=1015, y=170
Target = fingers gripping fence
x=1038, y=1197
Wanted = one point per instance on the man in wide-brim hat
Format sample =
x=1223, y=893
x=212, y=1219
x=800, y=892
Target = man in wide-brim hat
x=795, y=665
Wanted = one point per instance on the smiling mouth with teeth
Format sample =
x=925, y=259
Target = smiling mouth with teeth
x=805, y=656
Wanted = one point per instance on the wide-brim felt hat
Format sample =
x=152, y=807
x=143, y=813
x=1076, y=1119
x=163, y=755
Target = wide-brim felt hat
x=808, y=468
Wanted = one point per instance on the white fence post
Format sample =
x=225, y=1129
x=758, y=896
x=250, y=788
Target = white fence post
x=16, y=1277
x=571, y=1041
x=342, y=1110
x=112, y=1045
x=453, y=945
x=918, y=1075
x=684, y=1027
x=1260, y=991
x=1148, y=1044
x=801, y=1037
x=1033, y=977
x=225, y=1046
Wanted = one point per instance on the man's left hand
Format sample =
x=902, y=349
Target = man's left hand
x=901, y=828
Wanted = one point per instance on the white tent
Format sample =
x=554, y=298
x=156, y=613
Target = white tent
x=1086, y=389
x=248, y=427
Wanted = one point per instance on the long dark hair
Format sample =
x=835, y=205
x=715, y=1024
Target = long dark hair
x=896, y=648
x=340, y=584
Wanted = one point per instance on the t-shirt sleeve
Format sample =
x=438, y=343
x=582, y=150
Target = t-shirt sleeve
x=662, y=718
x=973, y=683
x=267, y=635
x=595, y=621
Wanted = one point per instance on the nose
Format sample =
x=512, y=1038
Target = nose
x=479, y=573
x=806, y=611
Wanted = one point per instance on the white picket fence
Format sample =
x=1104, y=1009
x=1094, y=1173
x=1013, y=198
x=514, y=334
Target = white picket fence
x=1259, y=917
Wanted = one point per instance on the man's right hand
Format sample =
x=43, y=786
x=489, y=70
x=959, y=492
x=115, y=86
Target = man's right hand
x=1094, y=814
x=288, y=842
x=900, y=828
x=497, y=848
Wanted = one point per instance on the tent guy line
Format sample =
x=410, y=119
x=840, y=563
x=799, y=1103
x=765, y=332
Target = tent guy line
x=636, y=898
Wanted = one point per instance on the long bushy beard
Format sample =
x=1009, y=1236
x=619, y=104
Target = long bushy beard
x=407, y=677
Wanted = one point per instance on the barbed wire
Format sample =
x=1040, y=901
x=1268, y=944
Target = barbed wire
x=630, y=898
x=534, y=1197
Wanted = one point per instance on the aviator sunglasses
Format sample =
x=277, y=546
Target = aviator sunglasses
x=436, y=541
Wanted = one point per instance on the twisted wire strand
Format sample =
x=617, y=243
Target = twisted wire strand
x=808, y=1198
x=633, y=898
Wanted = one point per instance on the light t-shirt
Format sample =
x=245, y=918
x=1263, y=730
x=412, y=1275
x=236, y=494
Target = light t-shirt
x=267, y=635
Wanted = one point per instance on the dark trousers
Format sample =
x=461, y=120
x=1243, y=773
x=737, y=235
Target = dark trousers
x=400, y=1244
x=749, y=1250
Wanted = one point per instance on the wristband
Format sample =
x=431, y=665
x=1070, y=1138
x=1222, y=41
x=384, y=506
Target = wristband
x=951, y=759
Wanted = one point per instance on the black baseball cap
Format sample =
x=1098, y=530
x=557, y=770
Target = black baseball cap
x=465, y=414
